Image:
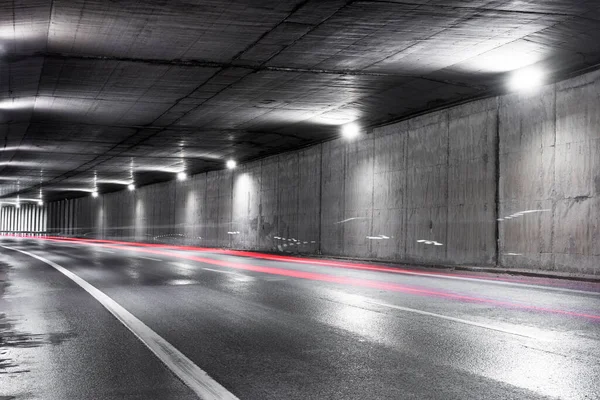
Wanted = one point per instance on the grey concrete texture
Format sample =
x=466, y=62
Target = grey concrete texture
x=511, y=181
x=549, y=161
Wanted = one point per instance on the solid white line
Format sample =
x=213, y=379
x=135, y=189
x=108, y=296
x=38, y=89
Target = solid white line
x=194, y=377
x=448, y=318
x=105, y=251
x=150, y=258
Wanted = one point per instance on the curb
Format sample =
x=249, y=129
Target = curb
x=489, y=270
x=530, y=273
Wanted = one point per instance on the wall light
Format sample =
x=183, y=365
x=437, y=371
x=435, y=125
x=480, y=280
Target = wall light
x=526, y=79
x=18, y=205
x=231, y=164
x=350, y=131
x=131, y=187
x=95, y=193
x=40, y=203
x=181, y=176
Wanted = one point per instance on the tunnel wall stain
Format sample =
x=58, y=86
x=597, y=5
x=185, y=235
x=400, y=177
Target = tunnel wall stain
x=512, y=181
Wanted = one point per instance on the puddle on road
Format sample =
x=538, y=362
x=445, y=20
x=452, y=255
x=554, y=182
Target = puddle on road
x=13, y=338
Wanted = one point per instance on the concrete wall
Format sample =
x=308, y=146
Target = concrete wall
x=28, y=218
x=512, y=181
x=550, y=162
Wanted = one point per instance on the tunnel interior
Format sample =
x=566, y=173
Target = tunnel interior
x=104, y=105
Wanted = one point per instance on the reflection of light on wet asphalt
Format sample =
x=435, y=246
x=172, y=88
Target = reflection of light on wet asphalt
x=387, y=286
x=181, y=282
x=150, y=258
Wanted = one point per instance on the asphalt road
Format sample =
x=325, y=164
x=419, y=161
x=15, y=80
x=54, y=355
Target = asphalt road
x=282, y=328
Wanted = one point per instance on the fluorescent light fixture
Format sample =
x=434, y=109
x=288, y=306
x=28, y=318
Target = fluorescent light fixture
x=131, y=187
x=95, y=193
x=350, y=131
x=231, y=164
x=181, y=176
x=526, y=79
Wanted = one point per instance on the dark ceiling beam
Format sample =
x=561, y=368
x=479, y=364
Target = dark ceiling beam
x=113, y=151
x=224, y=65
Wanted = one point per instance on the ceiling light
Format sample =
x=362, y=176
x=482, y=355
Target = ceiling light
x=526, y=79
x=231, y=164
x=95, y=193
x=40, y=202
x=131, y=187
x=350, y=131
x=181, y=176
x=18, y=205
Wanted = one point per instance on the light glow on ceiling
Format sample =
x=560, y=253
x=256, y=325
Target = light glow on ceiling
x=17, y=104
x=20, y=163
x=181, y=176
x=22, y=148
x=113, y=181
x=526, y=79
x=69, y=189
x=231, y=164
x=95, y=194
x=131, y=187
x=506, y=60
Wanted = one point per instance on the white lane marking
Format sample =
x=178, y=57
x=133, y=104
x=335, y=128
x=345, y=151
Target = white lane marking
x=228, y=272
x=448, y=318
x=105, y=251
x=150, y=258
x=194, y=377
x=433, y=275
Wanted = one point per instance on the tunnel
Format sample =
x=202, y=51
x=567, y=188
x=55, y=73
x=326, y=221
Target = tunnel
x=299, y=199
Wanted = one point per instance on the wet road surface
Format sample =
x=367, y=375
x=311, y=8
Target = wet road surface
x=269, y=327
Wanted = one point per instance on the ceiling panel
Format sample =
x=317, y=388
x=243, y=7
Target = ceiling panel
x=99, y=93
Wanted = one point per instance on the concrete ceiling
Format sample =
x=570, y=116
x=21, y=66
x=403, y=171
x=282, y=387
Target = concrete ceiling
x=115, y=89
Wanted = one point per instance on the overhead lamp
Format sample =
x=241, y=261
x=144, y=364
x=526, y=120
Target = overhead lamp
x=131, y=187
x=181, y=176
x=231, y=164
x=40, y=202
x=350, y=131
x=95, y=194
x=526, y=79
